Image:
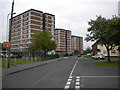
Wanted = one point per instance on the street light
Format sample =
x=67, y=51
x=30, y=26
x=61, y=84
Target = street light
x=7, y=56
x=8, y=24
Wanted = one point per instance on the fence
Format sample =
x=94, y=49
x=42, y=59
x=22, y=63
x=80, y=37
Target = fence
x=26, y=57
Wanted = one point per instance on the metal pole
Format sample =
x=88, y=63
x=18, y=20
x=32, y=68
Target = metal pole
x=10, y=29
x=7, y=40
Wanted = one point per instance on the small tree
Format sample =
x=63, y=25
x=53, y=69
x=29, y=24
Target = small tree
x=42, y=41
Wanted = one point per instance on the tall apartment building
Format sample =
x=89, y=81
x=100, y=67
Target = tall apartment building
x=77, y=44
x=63, y=40
x=26, y=24
x=49, y=23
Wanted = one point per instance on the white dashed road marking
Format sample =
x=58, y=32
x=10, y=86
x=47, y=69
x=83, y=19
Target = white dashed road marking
x=69, y=81
x=77, y=87
x=66, y=87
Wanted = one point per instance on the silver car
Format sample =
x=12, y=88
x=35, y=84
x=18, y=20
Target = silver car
x=98, y=56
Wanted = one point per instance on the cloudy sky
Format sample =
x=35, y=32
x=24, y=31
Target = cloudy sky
x=69, y=14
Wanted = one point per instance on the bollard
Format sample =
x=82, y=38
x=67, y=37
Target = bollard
x=15, y=61
x=22, y=60
x=35, y=59
x=31, y=59
x=6, y=62
x=26, y=59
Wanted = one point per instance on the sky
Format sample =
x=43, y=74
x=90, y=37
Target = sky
x=72, y=15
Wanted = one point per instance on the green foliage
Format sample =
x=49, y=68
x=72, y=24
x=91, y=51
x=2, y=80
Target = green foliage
x=97, y=29
x=106, y=31
x=88, y=50
x=88, y=56
x=113, y=29
x=42, y=41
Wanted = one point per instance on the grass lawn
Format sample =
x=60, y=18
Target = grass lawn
x=107, y=64
x=18, y=61
x=88, y=56
x=22, y=61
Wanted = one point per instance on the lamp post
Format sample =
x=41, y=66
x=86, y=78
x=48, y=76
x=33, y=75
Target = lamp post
x=8, y=24
x=10, y=29
x=7, y=38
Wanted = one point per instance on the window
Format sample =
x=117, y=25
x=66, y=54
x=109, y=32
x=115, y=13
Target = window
x=104, y=52
x=113, y=51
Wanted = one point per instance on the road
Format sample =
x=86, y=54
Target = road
x=66, y=73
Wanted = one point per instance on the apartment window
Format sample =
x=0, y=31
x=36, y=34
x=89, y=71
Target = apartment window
x=104, y=52
x=113, y=51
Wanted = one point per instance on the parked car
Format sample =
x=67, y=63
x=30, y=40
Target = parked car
x=12, y=56
x=78, y=55
x=98, y=56
x=1, y=55
x=88, y=53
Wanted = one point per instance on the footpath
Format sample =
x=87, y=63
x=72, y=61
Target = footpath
x=23, y=67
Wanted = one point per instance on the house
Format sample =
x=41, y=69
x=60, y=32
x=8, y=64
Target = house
x=101, y=49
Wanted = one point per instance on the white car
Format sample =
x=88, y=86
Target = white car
x=98, y=56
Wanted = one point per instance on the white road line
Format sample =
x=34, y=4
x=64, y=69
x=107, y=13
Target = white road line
x=66, y=87
x=73, y=68
x=68, y=83
x=77, y=80
x=77, y=87
x=69, y=80
x=100, y=76
x=70, y=76
x=77, y=77
x=77, y=83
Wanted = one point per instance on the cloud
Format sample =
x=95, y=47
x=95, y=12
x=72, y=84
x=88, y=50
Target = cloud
x=69, y=14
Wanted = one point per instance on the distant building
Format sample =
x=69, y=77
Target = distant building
x=28, y=23
x=77, y=44
x=63, y=40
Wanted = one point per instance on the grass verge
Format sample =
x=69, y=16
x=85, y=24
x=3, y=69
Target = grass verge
x=88, y=56
x=18, y=61
x=107, y=64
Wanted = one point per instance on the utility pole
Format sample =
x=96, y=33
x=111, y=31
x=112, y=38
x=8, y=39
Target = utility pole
x=10, y=29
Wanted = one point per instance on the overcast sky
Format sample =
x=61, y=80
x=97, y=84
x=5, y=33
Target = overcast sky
x=69, y=14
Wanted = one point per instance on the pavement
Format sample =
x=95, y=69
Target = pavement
x=22, y=67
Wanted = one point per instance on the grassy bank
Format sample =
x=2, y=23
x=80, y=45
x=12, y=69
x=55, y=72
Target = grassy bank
x=22, y=61
x=18, y=61
x=107, y=64
x=88, y=56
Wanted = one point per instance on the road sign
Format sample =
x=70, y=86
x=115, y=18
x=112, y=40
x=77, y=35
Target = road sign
x=6, y=44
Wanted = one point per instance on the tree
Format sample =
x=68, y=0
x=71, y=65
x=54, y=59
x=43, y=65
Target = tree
x=88, y=50
x=99, y=32
x=42, y=41
x=114, y=26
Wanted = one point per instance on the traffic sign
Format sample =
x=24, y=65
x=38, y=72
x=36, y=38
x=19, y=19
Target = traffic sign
x=6, y=44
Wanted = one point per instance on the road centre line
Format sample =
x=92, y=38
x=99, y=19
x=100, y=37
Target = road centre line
x=73, y=68
x=67, y=86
